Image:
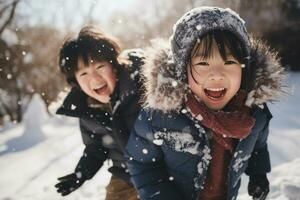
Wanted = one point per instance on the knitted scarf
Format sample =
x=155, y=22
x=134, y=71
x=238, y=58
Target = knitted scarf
x=234, y=121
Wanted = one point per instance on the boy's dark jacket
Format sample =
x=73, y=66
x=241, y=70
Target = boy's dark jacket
x=168, y=151
x=104, y=132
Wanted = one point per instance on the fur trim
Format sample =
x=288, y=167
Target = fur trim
x=165, y=92
x=269, y=75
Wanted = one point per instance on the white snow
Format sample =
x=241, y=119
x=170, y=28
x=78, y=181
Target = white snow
x=158, y=142
x=179, y=141
x=239, y=163
x=35, y=114
x=284, y=142
x=30, y=173
x=36, y=152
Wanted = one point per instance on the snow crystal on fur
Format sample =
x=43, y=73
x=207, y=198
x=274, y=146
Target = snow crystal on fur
x=163, y=89
x=269, y=75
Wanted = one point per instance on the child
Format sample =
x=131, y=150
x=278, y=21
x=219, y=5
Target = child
x=104, y=96
x=206, y=120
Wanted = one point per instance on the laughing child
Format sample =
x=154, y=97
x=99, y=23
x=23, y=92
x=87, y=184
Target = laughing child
x=206, y=120
x=104, y=96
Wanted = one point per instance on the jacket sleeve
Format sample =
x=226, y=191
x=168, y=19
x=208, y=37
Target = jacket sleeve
x=94, y=153
x=137, y=59
x=259, y=162
x=145, y=163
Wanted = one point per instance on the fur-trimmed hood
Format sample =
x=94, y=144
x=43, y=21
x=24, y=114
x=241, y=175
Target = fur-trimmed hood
x=164, y=91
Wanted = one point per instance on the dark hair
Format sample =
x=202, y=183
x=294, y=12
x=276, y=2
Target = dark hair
x=91, y=44
x=234, y=45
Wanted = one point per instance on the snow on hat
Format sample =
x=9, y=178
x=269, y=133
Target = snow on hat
x=196, y=23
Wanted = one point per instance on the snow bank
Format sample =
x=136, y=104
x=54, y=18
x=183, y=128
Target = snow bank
x=284, y=182
x=33, y=121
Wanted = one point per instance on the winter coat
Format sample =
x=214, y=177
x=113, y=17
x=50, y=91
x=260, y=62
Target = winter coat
x=168, y=152
x=104, y=132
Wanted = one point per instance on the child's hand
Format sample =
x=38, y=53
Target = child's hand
x=258, y=187
x=68, y=184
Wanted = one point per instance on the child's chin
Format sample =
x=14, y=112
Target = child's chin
x=215, y=107
x=103, y=99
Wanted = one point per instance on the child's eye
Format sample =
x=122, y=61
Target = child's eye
x=100, y=66
x=83, y=74
x=202, y=63
x=230, y=62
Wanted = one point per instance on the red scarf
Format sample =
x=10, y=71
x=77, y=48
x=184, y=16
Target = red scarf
x=234, y=122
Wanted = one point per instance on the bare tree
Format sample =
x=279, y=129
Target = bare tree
x=10, y=8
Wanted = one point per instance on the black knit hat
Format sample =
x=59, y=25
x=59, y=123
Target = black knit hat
x=196, y=23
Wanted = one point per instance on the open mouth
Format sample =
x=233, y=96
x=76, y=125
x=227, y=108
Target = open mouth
x=215, y=93
x=101, y=89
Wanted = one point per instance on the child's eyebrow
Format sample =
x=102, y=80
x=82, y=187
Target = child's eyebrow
x=202, y=55
x=101, y=65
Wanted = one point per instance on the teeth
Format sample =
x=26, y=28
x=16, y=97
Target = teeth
x=215, y=89
x=98, y=87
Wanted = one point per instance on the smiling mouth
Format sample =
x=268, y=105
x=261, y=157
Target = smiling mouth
x=215, y=93
x=101, y=89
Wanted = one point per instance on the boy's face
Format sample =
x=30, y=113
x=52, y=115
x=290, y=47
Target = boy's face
x=98, y=80
x=218, y=80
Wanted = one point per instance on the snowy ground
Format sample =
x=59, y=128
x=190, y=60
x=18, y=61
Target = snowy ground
x=32, y=158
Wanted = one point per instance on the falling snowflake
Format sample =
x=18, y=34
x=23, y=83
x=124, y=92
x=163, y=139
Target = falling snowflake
x=79, y=175
x=73, y=107
x=174, y=83
x=198, y=27
x=145, y=151
x=183, y=111
x=107, y=140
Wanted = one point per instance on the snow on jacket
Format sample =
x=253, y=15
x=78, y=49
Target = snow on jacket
x=168, y=152
x=105, y=132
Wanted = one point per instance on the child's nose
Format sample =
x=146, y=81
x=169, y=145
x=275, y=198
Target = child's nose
x=95, y=78
x=216, y=76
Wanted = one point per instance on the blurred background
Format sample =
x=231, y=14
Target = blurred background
x=31, y=33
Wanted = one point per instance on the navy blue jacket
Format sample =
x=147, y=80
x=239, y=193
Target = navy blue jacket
x=167, y=151
x=105, y=131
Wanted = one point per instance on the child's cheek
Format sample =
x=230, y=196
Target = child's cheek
x=195, y=88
